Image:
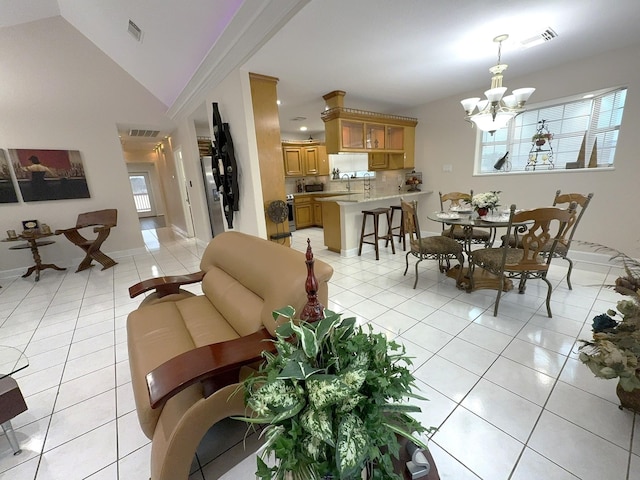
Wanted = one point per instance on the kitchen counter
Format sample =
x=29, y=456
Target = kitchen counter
x=323, y=192
x=371, y=196
x=342, y=217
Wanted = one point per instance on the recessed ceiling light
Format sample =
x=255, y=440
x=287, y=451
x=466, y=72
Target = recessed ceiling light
x=278, y=102
x=303, y=129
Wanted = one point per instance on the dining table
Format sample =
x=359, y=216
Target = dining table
x=468, y=220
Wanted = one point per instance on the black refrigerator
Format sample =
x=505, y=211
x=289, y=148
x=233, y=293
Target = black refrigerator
x=214, y=200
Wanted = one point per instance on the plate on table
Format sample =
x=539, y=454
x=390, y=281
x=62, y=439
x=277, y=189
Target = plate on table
x=496, y=218
x=463, y=210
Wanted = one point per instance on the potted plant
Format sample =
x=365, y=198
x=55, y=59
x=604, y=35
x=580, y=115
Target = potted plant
x=483, y=202
x=614, y=351
x=333, y=398
x=541, y=138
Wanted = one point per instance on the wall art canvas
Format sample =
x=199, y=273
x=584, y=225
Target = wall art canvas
x=7, y=188
x=49, y=174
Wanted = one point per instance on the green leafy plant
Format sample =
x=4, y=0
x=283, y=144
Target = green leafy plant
x=333, y=398
x=614, y=351
x=542, y=136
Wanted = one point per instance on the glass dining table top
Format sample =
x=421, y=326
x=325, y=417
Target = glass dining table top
x=12, y=360
x=470, y=220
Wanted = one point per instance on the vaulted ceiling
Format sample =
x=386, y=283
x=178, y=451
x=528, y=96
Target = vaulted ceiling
x=389, y=54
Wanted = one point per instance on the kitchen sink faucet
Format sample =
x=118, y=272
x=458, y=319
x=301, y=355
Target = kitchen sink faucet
x=348, y=181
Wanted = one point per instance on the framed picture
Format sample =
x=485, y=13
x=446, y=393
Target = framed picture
x=7, y=188
x=49, y=174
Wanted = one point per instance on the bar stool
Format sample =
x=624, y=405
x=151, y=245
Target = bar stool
x=400, y=228
x=375, y=215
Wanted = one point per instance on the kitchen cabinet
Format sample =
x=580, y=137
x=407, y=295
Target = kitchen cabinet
x=303, y=211
x=390, y=161
x=309, y=210
x=389, y=139
x=317, y=213
x=304, y=159
x=292, y=161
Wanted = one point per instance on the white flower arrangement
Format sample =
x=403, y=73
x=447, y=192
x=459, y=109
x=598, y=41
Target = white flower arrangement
x=488, y=200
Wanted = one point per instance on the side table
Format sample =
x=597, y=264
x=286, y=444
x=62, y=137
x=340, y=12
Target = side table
x=33, y=242
x=12, y=402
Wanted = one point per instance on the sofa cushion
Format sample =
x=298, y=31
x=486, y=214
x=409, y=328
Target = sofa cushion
x=241, y=308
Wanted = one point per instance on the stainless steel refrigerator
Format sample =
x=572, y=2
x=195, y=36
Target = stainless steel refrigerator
x=214, y=200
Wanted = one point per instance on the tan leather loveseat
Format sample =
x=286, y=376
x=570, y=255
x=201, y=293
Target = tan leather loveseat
x=194, y=346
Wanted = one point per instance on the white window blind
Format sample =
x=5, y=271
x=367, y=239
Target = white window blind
x=598, y=118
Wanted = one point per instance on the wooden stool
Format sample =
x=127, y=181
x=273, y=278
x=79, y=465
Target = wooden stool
x=400, y=228
x=375, y=214
x=11, y=404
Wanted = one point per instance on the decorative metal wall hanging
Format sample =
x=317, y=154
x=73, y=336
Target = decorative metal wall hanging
x=225, y=168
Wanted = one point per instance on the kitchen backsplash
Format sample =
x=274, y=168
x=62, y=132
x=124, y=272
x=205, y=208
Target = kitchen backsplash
x=385, y=180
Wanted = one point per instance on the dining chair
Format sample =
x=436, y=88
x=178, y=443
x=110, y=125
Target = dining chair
x=477, y=235
x=437, y=247
x=537, y=245
x=564, y=242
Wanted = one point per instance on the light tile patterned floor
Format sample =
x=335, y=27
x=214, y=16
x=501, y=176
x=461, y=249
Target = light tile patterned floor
x=508, y=394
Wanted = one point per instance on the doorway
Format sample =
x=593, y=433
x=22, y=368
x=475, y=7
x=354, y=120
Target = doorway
x=142, y=194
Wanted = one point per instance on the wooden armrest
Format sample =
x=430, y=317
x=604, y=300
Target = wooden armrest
x=203, y=363
x=165, y=285
x=102, y=228
x=66, y=230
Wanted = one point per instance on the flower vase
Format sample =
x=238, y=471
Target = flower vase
x=540, y=142
x=630, y=400
x=482, y=212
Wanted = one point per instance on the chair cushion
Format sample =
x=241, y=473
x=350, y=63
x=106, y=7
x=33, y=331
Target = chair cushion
x=491, y=258
x=438, y=245
x=458, y=234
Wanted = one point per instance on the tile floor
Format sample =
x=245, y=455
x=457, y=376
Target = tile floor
x=508, y=394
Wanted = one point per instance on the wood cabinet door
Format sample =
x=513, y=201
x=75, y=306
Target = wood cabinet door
x=378, y=161
x=352, y=135
x=293, y=165
x=395, y=138
x=375, y=136
x=304, y=215
x=317, y=213
x=323, y=160
x=311, y=160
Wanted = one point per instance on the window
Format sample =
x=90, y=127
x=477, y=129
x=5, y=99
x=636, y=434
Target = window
x=591, y=120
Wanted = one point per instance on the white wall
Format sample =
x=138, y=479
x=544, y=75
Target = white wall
x=60, y=92
x=443, y=137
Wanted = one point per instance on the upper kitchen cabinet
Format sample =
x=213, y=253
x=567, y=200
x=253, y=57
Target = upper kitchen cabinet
x=389, y=139
x=304, y=158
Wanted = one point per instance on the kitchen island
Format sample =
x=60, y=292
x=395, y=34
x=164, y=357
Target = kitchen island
x=342, y=216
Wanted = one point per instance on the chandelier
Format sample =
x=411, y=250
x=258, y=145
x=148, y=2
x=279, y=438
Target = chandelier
x=496, y=110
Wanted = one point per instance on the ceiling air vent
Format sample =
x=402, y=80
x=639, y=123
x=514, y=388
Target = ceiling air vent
x=143, y=133
x=134, y=30
x=547, y=35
